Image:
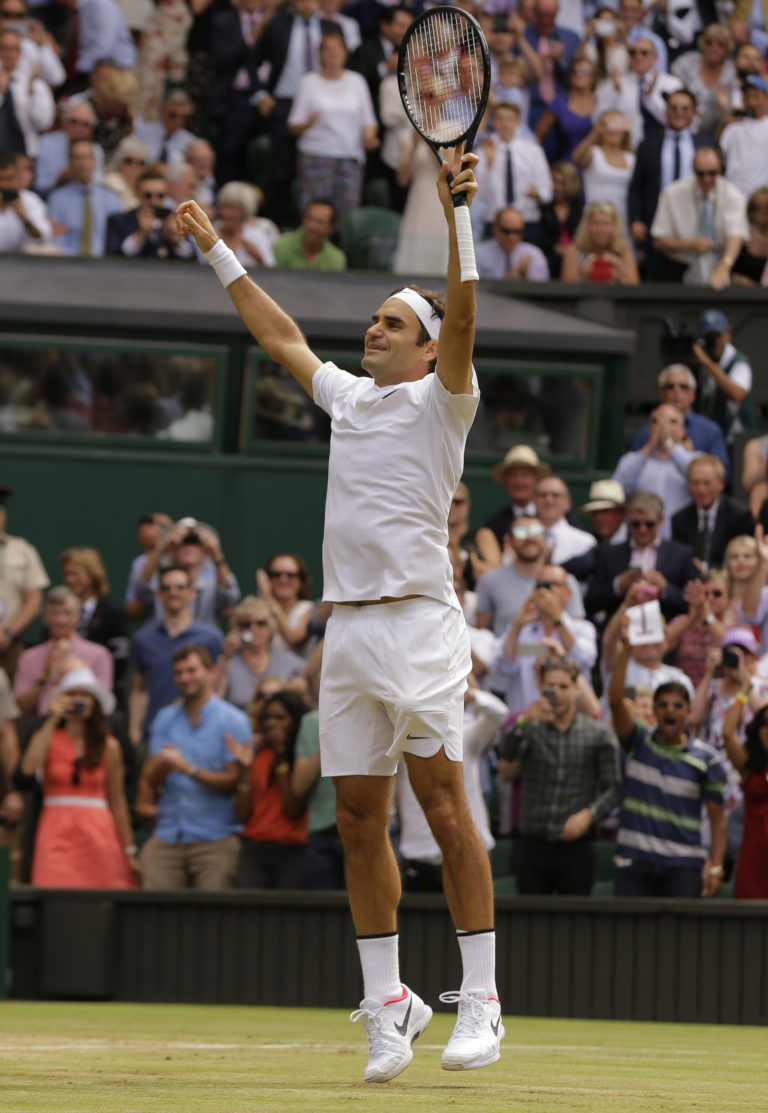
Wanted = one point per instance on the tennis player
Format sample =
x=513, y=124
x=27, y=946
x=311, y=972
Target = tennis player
x=396, y=652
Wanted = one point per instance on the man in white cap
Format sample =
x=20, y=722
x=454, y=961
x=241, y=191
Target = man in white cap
x=396, y=654
x=518, y=472
x=606, y=509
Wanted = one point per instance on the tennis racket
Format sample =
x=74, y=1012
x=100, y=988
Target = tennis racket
x=444, y=77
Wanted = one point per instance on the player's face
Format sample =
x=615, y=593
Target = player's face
x=392, y=353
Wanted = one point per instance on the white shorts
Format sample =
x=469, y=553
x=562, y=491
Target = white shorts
x=393, y=682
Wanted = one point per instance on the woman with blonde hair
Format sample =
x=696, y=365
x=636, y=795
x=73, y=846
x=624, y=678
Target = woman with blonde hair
x=248, y=657
x=102, y=620
x=599, y=252
x=124, y=169
x=710, y=74
x=607, y=160
x=739, y=564
x=250, y=237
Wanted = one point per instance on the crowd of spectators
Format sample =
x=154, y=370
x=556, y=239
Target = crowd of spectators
x=624, y=142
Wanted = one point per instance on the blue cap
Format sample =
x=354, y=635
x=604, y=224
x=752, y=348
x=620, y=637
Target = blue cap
x=757, y=82
x=713, y=320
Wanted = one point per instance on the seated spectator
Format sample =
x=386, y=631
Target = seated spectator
x=251, y=238
x=40, y=669
x=101, y=33
x=710, y=74
x=284, y=585
x=666, y=566
x=570, y=114
x=196, y=548
x=662, y=464
x=750, y=266
x=52, y=166
x=274, y=834
x=189, y=781
x=39, y=49
x=151, y=528
x=101, y=620
x=713, y=518
x=167, y=139
x=507, y=255
x=23, y=218
x=750, y=760
x=309, y=248
x=669, y=777
x=333, y=119
x=726, y=376
x=181, y=183
x=84, y=838
x=247, y=655
x=553, y=501
x=473, y=551
x=560, y=217
x=676, y=386
x=543, y=625
x=148, y=231
x=691, y=636
x=743, y=141
x=11, y=801
x=513, y=170
x=202, y=158
x=646, y=667
x=154, y=646
x=551, y=743
x=754, y=477
x=701, y=222
x=606, y=158
x=81, y=208
x=27, y=108
x=599, y=252
x=518, y=472
x=126, y=169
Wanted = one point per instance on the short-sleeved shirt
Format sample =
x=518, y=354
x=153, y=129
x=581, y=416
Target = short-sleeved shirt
x=396, y=458
x=290, y=254
x=186, y=810
x=242, y=681
x=153, y=650
x=664, y=788
x=321, y=805
x=21, y=571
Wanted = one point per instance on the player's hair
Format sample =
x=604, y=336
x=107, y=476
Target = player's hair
x=672, y=688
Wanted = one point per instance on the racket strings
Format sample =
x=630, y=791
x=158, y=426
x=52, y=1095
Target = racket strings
x=444, y=78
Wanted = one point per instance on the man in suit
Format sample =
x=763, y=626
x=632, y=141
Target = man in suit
x=149, y=231
x=662, y=157
x=232, y=41
x=377, y=56
x=662, y=567
x=712, y=519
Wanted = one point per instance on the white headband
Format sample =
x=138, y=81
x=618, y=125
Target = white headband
x=422, y=309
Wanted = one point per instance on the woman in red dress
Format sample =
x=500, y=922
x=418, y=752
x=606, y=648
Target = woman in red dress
x=751, y=760
x=84, y=838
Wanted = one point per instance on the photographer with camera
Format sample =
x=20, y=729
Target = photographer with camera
x=248, y=656
x=571, y=777
x=726, y=376
x=149, y=231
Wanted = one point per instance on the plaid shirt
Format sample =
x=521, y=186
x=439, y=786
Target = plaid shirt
x=563, y=772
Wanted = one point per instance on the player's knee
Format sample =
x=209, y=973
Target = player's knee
x=445, y=820
x=356, y=822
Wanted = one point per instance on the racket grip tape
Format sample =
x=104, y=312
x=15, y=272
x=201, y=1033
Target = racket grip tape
x=466, y=244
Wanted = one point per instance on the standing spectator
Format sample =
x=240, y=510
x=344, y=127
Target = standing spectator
x=753, y=476
x=163, y=53
x=248, y=656
x=669, y=776
x=23, y=218
x=99, y=31
x=125, y=169
x=41, y=668
x=560, y=217
x=154, y=646
x=750, y=760
x=676, y=386
x=555, y=45
x=599, y=252
x=101, y=620
x=709, y=522
x=749, y=268
x=571, y=778
x=571, y=113
x=507, y=255
x=167, y=139
x=513, y=170
x=284, y=585
x=233, y=37
x=422, y=245
x=739, y=565
x=81, y=208
x=309, y=247
x=661, y=465
x=333, y=119
x=553, y=501
x=701, y=222
x=324, y=856
x=518, y=473
x=22, y=579
x=78, y=121
x=39, y=49
x=646, y=667
x=754, y=601
x=726, y=376
x=641, y=93
x=744, y=141
x=710, y=75
x=633, y=19
x=274, y=835
x=606, y=158
x=11, y=801
x=84, y=838
x=188, y=783
x=27, y=107
x=473, y=551
x=151, y=529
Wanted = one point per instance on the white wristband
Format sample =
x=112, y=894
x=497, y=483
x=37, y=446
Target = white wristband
x=225, y=263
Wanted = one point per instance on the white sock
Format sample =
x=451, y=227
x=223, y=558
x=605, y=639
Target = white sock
x=381, y=966
x=478, y=958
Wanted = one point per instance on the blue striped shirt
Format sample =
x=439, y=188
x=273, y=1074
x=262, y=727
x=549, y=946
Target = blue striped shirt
x=664, y=788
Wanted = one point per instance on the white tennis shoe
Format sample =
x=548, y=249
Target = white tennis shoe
x=392, y=1026
x=477, y=1035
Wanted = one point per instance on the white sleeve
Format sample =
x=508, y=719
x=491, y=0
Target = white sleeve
x=301, y=109
x=741, y=374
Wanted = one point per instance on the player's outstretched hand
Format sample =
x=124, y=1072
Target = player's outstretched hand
x=462, y=168
x=191, y=220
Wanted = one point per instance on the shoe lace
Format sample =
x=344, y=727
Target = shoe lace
x=471, y=1010
x=372, y=1016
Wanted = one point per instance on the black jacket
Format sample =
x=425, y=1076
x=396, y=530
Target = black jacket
x=732, y=519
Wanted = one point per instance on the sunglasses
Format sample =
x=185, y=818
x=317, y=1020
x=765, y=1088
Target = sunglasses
x=714, y=593
x=680, y=107
x=287, y=575
x=159, y=196
x=173, y=587
x=509, y=231
x=522, y=533
x=246, y=623
x=639, y=523
x=633, y=50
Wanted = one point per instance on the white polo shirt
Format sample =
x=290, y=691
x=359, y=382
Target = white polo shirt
x=397, y=455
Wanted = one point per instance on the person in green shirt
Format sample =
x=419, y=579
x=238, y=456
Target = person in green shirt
x=308, y=247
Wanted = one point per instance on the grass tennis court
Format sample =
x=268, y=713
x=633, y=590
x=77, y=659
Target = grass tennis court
x=95, y=1058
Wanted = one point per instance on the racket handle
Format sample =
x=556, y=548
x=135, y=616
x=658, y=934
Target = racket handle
x=465, y=241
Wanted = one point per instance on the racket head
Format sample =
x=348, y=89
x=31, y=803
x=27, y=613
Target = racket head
x=444, y=76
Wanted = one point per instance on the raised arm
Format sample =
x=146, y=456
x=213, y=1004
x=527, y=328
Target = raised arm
x=621, y=708
x=734, y=747
x=277, y=333
x=457, y=335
